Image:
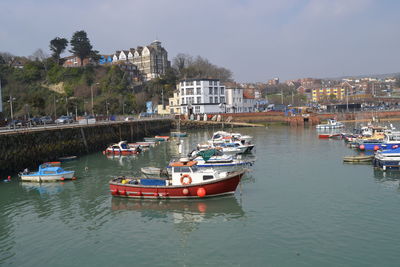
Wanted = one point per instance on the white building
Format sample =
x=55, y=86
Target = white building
x=249, y=103
x=234, y=99
x=199, y=96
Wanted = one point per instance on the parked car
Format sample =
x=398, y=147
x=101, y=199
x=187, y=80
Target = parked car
x=16, y=124
x=46, y=120
x=64, y=119
x=34, y=121
x=129, y=119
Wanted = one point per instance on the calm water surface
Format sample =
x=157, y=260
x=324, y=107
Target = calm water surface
x=300, y=206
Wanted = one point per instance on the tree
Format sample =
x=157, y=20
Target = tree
x=57, y=46
x=38, y=55
x=81, y=46
x=199, y=68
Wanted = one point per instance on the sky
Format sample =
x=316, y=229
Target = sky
x=256, y=39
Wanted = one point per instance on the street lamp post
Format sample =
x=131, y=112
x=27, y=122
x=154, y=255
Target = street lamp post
x=107, y=109
x=91, y=93
x=11, y=107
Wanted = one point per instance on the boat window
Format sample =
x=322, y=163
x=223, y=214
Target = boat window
x=194, y=168
x=49, y=172
x=185, y=169
x=177, y=169
x=207, y=177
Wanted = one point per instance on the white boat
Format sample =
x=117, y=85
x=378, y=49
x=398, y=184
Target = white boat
x=331, y=124
x=48, y=172
x=388, y=159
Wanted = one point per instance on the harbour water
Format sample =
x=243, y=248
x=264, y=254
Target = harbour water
x=299, y=206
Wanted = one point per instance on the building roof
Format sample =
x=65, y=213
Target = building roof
x=247, y=95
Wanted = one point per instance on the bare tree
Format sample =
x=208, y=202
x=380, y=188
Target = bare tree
x=39, y=55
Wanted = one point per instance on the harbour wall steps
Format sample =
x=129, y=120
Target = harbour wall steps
x=29, y=148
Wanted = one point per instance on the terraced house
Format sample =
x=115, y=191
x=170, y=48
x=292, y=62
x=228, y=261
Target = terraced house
x=151, y=61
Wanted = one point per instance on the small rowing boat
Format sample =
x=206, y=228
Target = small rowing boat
x=358, y=158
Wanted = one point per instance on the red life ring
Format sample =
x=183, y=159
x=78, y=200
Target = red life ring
x=189, y=179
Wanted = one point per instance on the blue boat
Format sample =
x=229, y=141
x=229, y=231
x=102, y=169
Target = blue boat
x=48, y=172
x=390, y=140
x=388, y=159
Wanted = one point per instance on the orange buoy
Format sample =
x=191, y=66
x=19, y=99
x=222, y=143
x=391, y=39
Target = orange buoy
x=155, y=194
x=362, y=147
x=122, y=192
x=114, y=192
x=8, y=178
x=201, y=192
x=73, y=178
x=376, y=148
x=185, y=191
x=62, y=178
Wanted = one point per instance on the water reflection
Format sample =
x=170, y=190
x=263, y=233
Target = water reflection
x=122, y=159
x=185, y=212
x=387, y=178
x=43, y=188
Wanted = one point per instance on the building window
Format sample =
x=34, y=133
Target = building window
x=198, y=91
x=222, y=99
x=216, y=99
x=197, y=109
x=222, y=90
x=198, y=99
x=182, y=91
x=211, y=99
x=189, y=91
x=183, y=100
x=215, y=90
x=210, y=90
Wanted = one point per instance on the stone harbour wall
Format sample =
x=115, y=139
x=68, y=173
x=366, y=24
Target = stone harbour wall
x=28, y=149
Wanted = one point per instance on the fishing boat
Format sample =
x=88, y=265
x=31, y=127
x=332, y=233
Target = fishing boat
x=387, y=159
x=161, y=138
x=48, y=172
x=222, y=135
x=146, y=144
x=327, y=136
x=150, y=139
x=122, y=148
x=178, y=134
x=331, y=124
x=187, y=181
x=67, y=158
x=358, y=158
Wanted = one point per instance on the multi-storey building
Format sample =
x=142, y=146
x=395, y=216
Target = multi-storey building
x=328, y=93
x=198, y=96
x=151, y=60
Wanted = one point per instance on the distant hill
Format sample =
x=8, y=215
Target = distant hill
x=378, y=76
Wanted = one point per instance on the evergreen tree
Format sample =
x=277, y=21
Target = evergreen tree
x=80, y=45
x=57, y=46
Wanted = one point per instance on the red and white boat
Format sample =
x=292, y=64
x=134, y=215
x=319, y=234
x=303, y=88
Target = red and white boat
x=186, y=181
x=122, y=148
x=326, y=136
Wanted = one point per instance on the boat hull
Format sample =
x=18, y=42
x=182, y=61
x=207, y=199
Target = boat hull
x=120, y=152
x=219, y=187
x=387, y=164
x=48, y=178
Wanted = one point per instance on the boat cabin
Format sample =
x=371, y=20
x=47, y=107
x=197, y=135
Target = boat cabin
x=393, y=137
x=186, y=172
